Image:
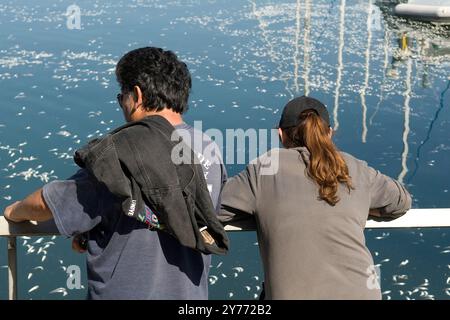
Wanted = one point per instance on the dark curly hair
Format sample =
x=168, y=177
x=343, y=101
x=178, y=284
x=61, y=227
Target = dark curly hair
x=164, y=80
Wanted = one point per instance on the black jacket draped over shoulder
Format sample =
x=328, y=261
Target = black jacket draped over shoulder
x=136, y=163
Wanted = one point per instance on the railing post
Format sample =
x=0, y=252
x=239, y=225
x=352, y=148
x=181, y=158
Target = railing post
x=12, y=268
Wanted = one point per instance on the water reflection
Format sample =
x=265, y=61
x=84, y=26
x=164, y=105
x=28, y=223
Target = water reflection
x=430, y=129
x=307, y=47
x=386, y=79
x=340, y=64
x=426, y=45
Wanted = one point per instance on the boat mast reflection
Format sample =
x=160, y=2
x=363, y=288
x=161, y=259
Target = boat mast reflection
x=340, y=66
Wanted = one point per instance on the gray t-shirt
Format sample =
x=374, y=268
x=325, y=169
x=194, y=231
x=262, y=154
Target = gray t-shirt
x=309, y=249
x=125, y=260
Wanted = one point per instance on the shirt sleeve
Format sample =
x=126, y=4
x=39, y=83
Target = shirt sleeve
x=388, y=195
x=239, y=198
x=74, y=203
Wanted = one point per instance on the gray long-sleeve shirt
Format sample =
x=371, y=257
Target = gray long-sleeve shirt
x=309, y=249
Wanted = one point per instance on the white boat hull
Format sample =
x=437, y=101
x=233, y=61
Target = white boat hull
x=433, y=13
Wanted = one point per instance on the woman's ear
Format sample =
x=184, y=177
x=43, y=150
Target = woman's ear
x=330, y=133
x=280, y=134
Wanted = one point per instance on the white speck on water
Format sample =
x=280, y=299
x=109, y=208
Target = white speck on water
x=60, y=290
x=397, y=277
x=404, y=263
x=21, y=95
x=213, y=279
x=64, y=133
x=30, y=249
x=238, y=269
x=38, y=241
x=33, y=289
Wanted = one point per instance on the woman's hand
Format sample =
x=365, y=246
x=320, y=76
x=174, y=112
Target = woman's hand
x=375, y=213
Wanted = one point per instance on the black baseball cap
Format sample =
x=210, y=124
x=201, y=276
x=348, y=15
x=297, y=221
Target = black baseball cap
x=292, y=110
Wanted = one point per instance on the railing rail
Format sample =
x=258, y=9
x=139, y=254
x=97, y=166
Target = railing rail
x=415, y=218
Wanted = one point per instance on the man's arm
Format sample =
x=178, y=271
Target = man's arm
x=32, y=208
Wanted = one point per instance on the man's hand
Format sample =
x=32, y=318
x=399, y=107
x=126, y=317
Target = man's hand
x=9, y=213
x=32, y=208
x=78, y=244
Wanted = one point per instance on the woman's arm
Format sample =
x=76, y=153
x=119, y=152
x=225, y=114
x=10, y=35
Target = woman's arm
x=388, y=197
x=239, y=199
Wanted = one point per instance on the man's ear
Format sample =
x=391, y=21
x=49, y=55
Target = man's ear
x=137, y=95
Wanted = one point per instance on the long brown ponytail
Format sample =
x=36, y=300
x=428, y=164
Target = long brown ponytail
x=327, y=167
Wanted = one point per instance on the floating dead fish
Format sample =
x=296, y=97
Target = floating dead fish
x=60, y=290
x=404, y=263
x=33, y=289
x=213, y=280
x=38, y=241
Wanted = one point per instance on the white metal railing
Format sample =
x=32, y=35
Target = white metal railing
x=415, y=218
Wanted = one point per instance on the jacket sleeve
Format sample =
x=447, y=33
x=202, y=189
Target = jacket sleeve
x=239, y=199
x=100, y=158
x=388, y=195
